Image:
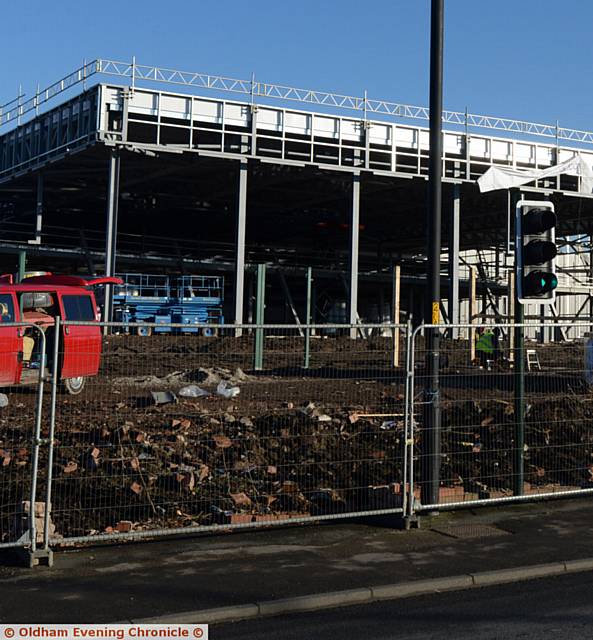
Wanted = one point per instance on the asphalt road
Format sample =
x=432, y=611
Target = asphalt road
x=559, y=608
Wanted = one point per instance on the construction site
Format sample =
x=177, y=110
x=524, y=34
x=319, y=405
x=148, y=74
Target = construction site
x=120, y=168
x=299, y=218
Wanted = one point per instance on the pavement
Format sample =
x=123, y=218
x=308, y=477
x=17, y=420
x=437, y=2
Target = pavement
x=249, y=574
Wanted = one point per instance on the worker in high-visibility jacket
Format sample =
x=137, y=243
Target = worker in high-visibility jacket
x=485, y=346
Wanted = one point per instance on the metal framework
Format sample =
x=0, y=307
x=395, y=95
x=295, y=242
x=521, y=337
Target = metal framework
x=17, y=107
x=136, y=117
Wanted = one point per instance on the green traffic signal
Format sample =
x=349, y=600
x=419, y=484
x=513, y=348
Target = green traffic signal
x=539, y=282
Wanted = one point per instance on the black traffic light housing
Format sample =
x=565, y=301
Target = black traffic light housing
x=535, y=251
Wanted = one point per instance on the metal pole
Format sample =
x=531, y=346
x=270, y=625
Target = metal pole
x=432, y=416
x=354, y=243
x=308, y=317
x=240, y=244
x=111, y=231
x=260, y=306
x=518, y=458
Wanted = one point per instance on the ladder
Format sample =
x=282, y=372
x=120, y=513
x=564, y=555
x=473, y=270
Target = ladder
x=532, y=360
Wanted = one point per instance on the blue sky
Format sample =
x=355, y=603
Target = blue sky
x=528, y=59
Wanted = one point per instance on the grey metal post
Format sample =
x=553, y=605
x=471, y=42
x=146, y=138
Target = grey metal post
x=240, y=243
x=260, y=307
x=38, y=210
x=454, y=262
x=432, y=412
x=22, y=265
x=52, y=428
x=519, y=454
x=111, y=230
x=354, y=244
x=34, y=553
x=308, y=317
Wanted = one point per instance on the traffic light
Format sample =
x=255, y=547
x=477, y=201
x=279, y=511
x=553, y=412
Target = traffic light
x=535, y=251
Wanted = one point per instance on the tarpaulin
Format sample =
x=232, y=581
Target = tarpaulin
x=506, y=177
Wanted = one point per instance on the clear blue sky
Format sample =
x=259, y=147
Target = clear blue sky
x=529, y=59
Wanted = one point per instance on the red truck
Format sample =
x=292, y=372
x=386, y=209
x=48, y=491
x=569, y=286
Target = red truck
x=39, y=300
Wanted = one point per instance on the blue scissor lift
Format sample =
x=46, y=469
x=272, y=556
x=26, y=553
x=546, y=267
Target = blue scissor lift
x=165, y=300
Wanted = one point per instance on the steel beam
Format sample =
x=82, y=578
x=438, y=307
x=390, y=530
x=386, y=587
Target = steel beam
x=354, y=248
x=111, y=230
x=241, y=208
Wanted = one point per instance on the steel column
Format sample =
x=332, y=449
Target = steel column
x=308, y=317
x=38, y=210
x=396, y=297
x=454, y=261
x=260, y=307
x=240, y=243
x=111, y=230
x=354, y=248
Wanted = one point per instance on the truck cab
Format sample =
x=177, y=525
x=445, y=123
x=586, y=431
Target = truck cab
x=38, y=301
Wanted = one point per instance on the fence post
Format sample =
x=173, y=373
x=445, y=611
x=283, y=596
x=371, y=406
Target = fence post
x=518, y=458
x=408, y=472
x=259, y=317
x=472, y=313
x=52, y=427
x=36, y=556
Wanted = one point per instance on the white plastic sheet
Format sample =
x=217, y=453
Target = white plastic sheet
x=507, y=177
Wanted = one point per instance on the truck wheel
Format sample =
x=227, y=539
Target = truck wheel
x=74, y=386
x=143, y=331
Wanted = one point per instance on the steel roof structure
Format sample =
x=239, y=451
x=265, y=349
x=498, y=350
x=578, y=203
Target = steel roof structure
x=210, y=179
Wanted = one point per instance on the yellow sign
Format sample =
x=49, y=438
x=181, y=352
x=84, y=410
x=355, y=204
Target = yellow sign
x=435, y=313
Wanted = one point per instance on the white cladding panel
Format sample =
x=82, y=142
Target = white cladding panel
x=144, y=102
x=545, y=156
x=424, y=139
x=452, y=143
x=525, y=153
x=270, y=119
x=406, y=137
x=479, y=147
x=236, y=114
x=175, y=107
x=326, y=127
x=296, y=123
x=502, y=150
x=208, y=111
x=352, y=130
x=380, y=133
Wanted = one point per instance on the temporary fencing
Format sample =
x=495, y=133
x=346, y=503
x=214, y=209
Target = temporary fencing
x=21, y=512
x=192, y=429
x=254, y=425
x=504, y=436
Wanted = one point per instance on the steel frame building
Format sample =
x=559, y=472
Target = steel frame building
x=132, y=142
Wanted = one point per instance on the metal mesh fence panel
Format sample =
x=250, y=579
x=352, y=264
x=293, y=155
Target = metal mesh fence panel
x=22, y=358
x=254, y=425
x=481, y=455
